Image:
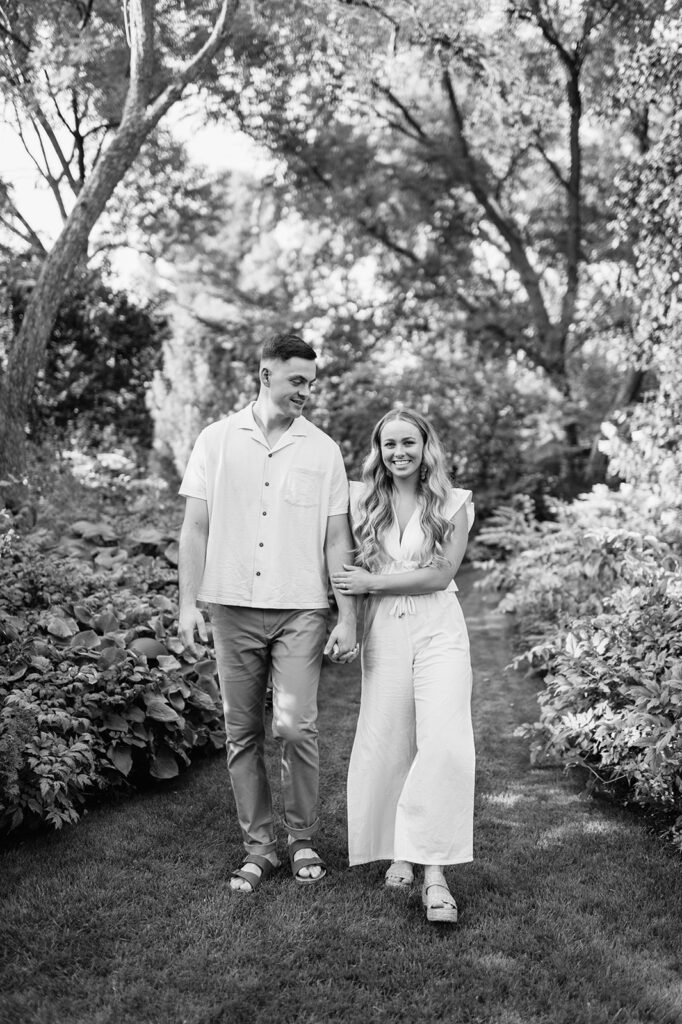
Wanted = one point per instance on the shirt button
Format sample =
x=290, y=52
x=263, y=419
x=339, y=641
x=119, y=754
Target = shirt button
x=261, y=544
x=265, y=513
x=270, y=455
x=257, y=574
x=267, y=484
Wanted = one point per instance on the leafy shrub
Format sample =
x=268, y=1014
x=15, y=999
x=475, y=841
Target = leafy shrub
x=98, y=691
x=612, y=701
x=551, y=572
x=598, y=604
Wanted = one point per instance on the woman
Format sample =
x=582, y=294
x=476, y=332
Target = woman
x=411, y=775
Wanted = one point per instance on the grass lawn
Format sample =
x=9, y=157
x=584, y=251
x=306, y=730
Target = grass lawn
x=570, y=914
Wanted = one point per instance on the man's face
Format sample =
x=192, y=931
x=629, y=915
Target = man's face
x=290, y=383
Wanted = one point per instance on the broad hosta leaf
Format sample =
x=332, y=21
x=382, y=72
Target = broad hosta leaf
x=112, y=720
x=89, y=530
x=172, y=552
x=109, y=558
x=87, y=639
x=106, y=622
x=17, y=674
x=218, y=739
x=164, y=765
x=74, y=546
x=122, y=757
x=206, y=668
x=177, y=700
x=135, y=713
x=111, y=656
x=83, y=615
x=159, y=709
x=174, y=644
x=42, y=664
x=148, y=646
x=209, y=686
x=179, y=687
x=168, y=662
x=40, y=648
x=146, y=535
x=204, y=700
x=62, y=627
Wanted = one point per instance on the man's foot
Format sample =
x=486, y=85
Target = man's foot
x=260, y=867
x=400, y=875
x=307, y=867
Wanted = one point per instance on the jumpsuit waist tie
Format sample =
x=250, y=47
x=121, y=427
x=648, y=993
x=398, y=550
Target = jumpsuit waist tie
x=404, y=603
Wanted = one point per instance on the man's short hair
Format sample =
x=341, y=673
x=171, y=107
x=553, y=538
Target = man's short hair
x=287, y=346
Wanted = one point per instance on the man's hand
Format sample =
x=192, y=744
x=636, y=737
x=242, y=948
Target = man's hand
x=189, y=620
x=341, y=646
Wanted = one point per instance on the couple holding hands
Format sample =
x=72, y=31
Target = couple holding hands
x=266, y=525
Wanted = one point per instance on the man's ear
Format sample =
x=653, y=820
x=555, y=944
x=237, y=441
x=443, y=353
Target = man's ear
x=265, y=376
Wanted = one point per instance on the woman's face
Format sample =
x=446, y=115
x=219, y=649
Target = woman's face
x=401, y=449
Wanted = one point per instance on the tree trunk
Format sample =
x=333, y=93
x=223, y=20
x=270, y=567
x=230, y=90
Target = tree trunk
x=139, y=119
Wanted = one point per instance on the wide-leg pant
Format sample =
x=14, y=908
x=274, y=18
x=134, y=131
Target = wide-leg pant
x=253, y=645
x=411, y=774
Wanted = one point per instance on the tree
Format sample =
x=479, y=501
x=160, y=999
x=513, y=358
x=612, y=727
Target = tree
x=644, y=442
x=100, y=359
x=151, y=91
x=469, y=154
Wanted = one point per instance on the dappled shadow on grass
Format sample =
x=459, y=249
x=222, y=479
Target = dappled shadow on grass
x=569, y=914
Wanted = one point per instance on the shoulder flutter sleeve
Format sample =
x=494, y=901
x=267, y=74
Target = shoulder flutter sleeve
x=460, y=497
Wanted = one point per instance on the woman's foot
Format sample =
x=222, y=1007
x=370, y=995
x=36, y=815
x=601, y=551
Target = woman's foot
x=238, y=883
x=400, y=875
x=437, y=898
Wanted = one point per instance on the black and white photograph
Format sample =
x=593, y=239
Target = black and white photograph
x=340, y=511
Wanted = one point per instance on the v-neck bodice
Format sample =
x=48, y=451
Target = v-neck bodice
x=409, y=545
x=403, y=554
x=407, y=551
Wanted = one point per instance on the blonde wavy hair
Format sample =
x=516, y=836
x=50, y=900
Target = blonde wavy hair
x=375, y=507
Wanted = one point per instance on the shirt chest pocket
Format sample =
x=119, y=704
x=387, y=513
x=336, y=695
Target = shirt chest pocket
x=303, y=487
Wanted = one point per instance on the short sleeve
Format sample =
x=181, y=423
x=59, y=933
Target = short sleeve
x=194, y=481
x=460, y=498
x=338, y=492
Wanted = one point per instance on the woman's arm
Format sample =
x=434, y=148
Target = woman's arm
x=427, y=580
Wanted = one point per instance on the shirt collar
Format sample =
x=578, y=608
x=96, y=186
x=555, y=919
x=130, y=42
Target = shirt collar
x=243, y=420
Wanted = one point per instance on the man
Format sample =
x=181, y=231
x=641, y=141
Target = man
x=265, y=522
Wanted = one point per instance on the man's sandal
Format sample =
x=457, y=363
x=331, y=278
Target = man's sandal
x=305, y=862
x=399, y=875
x=439, y=902
x=266, y=866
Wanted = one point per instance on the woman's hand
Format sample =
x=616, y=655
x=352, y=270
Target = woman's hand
x=353, y=580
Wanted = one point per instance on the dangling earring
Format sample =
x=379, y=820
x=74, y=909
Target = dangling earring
x=423, y=472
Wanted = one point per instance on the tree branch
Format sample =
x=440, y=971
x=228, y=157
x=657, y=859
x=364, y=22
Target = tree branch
x=380, y=233
x=28, y=235
x=409, y=117
x=509, y=232
x=554, y=167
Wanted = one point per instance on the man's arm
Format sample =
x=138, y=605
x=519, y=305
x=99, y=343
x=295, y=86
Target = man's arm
x=191, y=561
x=338, y=548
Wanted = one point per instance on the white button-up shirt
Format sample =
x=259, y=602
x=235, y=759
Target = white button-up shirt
x=267, y=511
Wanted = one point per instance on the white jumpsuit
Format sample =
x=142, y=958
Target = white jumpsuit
x=411, y=773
